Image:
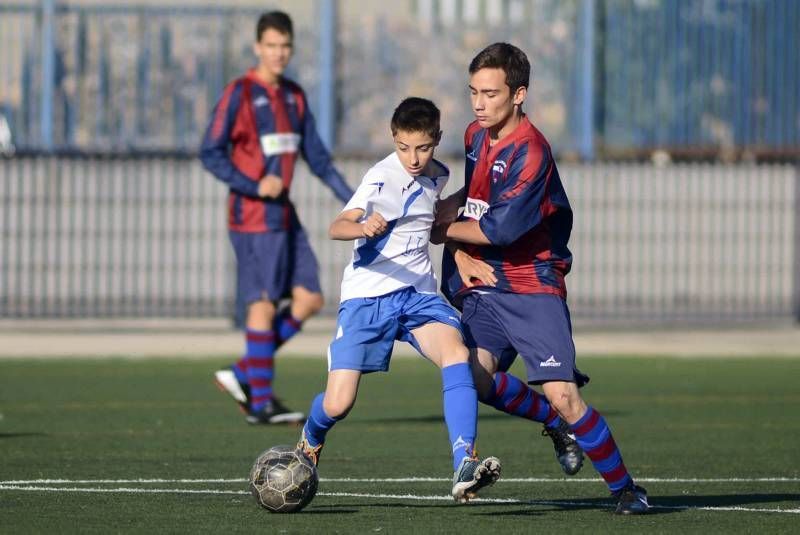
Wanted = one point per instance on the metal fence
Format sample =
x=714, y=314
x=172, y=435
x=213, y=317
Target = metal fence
x=146, y=237
x=608, y=75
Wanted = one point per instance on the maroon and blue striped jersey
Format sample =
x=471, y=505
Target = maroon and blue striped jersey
x=257, y=130
x=513, y=190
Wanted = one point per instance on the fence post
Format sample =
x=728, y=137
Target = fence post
x=48, y=72
x=587, y=22
x=796, y=263
x=326, y=111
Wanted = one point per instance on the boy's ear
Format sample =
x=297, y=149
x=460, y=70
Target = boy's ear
x=437, y=139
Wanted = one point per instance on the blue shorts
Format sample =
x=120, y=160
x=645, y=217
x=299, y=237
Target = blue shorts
x=368, y=326
x=270, y=264
x=535, y=326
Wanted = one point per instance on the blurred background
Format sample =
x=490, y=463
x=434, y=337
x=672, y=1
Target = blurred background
x=675, y=124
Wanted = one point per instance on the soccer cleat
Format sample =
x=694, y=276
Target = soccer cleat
x=275, y=412
x=472, y=475
x=631, y=500
x=312, y=452
x=226, y=381
x=569, y=454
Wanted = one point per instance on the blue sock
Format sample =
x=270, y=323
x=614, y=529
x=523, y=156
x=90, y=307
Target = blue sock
x=318, y=423
x=460, y=410
x=286, y=326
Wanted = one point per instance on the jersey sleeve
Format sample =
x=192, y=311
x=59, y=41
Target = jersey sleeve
x=319, y=159
x=215, y=148
x=519, y=203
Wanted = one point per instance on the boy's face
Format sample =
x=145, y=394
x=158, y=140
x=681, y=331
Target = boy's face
x=415, y=150
x=492, y=101
x=274, y=50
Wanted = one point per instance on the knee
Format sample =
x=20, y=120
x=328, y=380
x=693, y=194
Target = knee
x=313, y=302
x=337, y=406
x=260, y=315
x=568, y=403
x=484, y=384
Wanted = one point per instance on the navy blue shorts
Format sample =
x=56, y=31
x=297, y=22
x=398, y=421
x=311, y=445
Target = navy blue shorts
x=270, y=264
x=535, y=326
x=368, y=326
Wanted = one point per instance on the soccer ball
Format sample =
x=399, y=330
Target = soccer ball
x=283, y=479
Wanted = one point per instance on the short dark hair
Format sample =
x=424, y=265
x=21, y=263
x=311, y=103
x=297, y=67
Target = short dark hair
x=416, y=114
x=277, y=20
x=504, y=56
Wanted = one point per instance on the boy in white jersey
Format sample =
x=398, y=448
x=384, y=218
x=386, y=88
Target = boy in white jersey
x=389, y=293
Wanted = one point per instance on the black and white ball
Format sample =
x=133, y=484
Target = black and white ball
x=283, y=479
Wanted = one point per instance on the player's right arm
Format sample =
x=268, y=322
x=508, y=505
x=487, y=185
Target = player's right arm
x=348, y=225
x=215, y=148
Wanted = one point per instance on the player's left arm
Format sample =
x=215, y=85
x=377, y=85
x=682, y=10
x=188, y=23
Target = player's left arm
x=319, y=158
x=518, y=206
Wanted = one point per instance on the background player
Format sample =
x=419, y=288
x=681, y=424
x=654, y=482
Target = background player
x=517, y=222
x=389, y=293
x=257, y=129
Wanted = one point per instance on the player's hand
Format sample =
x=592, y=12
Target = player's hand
x=375, y=225
x=446, y=210
x=474, y=271
x=270, y=186
x=439, y=233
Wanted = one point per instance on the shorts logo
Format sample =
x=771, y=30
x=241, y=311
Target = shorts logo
x=498, y=170
x=475, y=208
x=550, y=363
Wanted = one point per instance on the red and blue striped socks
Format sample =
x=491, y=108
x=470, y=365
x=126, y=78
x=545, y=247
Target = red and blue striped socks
x=594, y=438
x=512, y=396
x=260, y=366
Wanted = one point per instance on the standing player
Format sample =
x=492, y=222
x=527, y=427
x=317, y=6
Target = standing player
x=507, y=269
x=389, y=293
x=257, y=129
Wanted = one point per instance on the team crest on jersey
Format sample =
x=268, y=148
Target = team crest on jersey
x=498, y=170
x=475, y=208
x=407, y=187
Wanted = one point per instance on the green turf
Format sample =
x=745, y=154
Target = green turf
x=124, y=419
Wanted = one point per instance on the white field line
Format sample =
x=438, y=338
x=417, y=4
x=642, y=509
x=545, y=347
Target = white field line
x=386, y=497
x=413, y=480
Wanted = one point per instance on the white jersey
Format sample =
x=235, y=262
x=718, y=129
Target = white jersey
x=398, y=258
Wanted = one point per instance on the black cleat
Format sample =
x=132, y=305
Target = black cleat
x=275, y=412
x=631, y=500
x=569, y=454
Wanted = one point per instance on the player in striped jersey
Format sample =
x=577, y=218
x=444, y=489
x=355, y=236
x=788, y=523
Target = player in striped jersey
x=505, y=266
x=259, y=127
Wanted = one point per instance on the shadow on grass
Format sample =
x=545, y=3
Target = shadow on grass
x=21, y=435
x=660, y=505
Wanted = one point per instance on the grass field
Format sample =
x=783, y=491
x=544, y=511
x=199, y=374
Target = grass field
x=151, y=445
